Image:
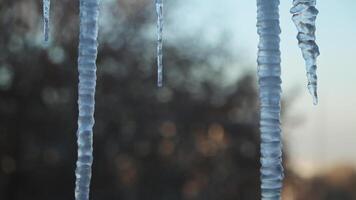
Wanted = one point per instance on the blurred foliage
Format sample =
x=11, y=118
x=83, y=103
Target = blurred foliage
x=196, y=138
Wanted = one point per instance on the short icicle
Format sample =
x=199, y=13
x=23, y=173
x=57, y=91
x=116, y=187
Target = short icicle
x=159, y=10
x=304, y=17
x=269, y=71
x=89, y=12
x=46, y=10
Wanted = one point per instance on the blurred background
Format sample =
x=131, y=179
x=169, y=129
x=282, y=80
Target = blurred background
x=195, y=139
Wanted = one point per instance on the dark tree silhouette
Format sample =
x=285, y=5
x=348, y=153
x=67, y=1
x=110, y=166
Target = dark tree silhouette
x=195, y=139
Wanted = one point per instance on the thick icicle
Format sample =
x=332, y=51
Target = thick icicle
x=269, y=71
x=46, y=9
x=159, y=10
x=304, y=16
x=89, y=11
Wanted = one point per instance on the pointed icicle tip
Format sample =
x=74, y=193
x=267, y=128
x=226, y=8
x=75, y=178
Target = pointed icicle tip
x=314, y=94
x=315, y=100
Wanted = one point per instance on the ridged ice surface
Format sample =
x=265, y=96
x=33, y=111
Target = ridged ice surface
x=159, y=11
x=304, y=16
x=46, y=9
x=89, y=11
x=269, y=71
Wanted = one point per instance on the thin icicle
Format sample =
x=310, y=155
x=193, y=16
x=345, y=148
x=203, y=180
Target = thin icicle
x=269, y=71
x=89, y=11
x=159, y=10
x=304, y=16
x=46, y=9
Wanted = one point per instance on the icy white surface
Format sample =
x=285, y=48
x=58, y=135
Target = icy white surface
x=304, y=17
x=89, y=11
x=159, y=11
x=46, y=9
x=269, y=71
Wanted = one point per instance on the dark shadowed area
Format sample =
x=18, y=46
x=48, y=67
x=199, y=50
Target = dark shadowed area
x=196, y=138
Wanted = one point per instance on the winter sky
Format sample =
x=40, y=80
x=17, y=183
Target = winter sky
x=325, y=134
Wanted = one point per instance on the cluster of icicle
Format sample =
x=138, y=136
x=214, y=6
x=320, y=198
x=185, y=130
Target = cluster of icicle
x=269, y=71
x=159, y=11
x=304, y=17
x=89, y=12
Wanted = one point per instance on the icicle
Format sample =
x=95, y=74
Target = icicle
x=46, y=9
x=304, y=16
x=269, y=71
x=159, y=10
x=89, y=11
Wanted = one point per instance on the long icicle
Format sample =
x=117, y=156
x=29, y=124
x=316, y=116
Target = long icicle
x=46, y=10
x=159, y=10
x=269, y=71
x=304, y=16
x=89, y=12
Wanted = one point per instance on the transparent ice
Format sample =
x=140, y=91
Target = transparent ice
x=89, y=11
x=159, y=10
x=304, y=16
x=46, y=9
x=269, y=71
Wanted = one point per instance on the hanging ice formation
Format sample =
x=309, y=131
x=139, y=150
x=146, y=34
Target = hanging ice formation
x=46, y=9
x=89, y=11
x=304, y=16
x=269, y=71
x=159, y=10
